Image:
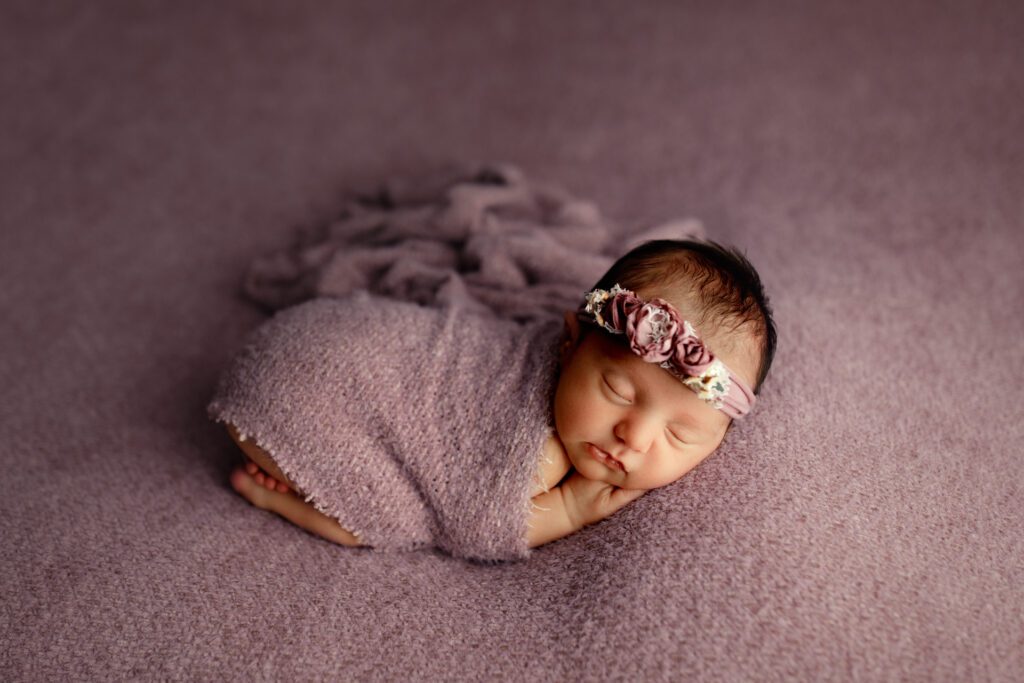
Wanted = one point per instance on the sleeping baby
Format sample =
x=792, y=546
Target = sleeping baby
x=375, y=422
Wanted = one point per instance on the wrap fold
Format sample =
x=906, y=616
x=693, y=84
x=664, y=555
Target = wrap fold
x=481, y=236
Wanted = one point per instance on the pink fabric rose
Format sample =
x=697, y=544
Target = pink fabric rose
x=651, y=329
x=619, y=308
x=692, y=356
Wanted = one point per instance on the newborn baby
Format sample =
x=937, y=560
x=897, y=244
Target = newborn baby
x=669, y=347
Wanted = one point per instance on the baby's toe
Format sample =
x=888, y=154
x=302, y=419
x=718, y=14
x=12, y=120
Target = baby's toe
x=244, y=483
x=265, y=480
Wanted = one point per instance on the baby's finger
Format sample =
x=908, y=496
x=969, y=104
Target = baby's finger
x=623, y=496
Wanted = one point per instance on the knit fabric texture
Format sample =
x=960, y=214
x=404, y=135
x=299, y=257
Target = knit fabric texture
x=411, y=426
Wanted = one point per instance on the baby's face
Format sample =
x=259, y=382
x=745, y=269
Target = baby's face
x=628, y=422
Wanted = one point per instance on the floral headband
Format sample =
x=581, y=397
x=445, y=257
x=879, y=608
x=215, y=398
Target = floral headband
x=658, y=334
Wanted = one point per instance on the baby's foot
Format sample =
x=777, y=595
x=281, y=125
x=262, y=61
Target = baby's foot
x=292, y=507
x=255, y=492
x=264, y=479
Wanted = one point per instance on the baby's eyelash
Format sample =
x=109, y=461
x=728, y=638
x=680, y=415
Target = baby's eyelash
x=612, y=389
x=674, y=437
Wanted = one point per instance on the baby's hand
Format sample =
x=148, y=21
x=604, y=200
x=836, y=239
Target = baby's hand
x=588, y=501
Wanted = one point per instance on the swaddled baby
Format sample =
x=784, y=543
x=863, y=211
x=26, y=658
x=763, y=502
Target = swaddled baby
x=486, y=437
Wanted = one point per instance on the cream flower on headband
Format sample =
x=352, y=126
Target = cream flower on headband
x=712, y=385
x=594, y=304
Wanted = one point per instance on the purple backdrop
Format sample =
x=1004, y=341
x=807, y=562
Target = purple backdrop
x=866, y=523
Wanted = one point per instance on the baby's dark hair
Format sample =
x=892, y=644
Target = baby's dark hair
x=721, y=288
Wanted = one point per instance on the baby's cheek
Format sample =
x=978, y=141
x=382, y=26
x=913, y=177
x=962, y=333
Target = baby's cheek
x=677, y=467
x=569, y=406
x=567, y=420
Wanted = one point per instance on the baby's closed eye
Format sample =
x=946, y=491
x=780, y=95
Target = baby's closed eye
x=618, y=389
x=675, y=438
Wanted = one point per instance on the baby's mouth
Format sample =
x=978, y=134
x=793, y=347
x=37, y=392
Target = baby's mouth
x=606, y=457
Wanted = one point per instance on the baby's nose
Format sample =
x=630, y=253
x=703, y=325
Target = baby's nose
x=636, y=432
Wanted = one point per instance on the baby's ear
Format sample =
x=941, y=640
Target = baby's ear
x=570, y=337
x=572, y=328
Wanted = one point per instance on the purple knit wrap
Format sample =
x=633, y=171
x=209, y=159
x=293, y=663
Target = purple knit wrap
x=411, y=426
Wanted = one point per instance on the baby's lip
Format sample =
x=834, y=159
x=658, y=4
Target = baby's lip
x=618, y=463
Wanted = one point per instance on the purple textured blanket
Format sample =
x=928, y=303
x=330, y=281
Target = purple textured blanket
x=412, y=426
